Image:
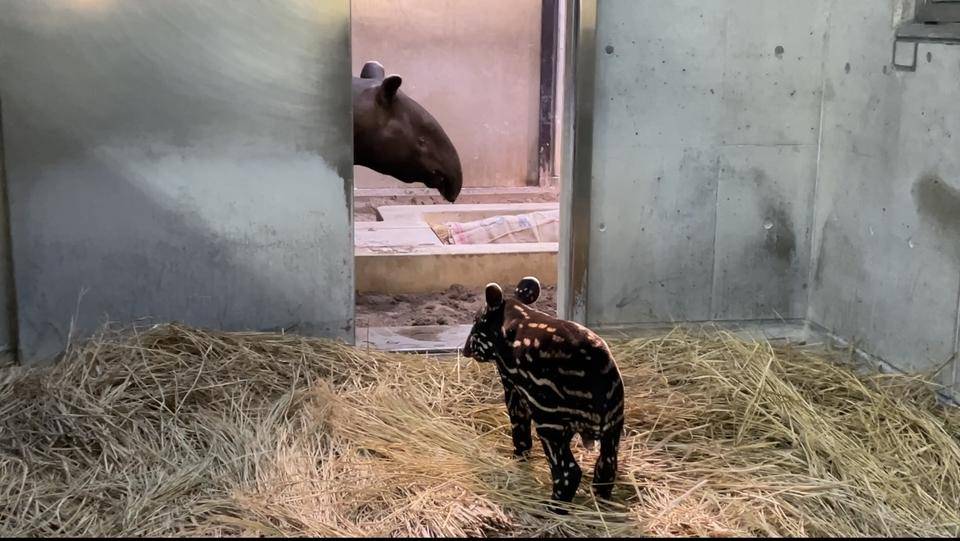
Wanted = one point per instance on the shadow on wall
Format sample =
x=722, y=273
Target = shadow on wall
x=165, y=164
x=938, y=204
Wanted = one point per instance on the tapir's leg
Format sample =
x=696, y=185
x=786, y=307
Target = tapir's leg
x=564, y=469
x=519, y=413
x=605, y=470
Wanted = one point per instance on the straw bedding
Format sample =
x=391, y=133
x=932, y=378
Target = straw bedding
x=179, y=431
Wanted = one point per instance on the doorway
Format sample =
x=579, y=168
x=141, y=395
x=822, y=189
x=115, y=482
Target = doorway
x=494, y=82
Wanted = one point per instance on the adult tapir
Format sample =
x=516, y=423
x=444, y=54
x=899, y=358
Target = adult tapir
x=394, y=135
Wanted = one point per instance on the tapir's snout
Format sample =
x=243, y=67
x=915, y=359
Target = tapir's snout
x=449, y=181
x=480, y=354
x=450, y=186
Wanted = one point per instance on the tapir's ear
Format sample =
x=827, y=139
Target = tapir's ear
x=389, y=87
x=372, y=70
x=494, y=296
x=528, y=290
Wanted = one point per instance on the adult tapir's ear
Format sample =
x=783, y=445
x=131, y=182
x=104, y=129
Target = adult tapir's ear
x=389, y=88
x=528, y=290
x=494, y=296
x=372, y=70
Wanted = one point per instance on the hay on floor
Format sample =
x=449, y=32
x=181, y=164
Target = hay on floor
x=178, y=431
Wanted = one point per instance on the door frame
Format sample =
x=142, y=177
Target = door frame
x=576, y=178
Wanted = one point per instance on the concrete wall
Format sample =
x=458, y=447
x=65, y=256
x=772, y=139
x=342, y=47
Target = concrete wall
x=763, y=159
x=474, y=65
x=704, y=159
x=886, y=265
x=177, y=160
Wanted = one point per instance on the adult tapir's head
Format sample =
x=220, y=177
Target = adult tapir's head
x=394, y=135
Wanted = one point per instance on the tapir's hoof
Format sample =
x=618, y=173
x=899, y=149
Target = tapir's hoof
x=603, y=492
x=521, y=456
x=553, y=507
x=588, y=444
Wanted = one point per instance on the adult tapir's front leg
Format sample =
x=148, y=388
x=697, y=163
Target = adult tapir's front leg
x=519, y=412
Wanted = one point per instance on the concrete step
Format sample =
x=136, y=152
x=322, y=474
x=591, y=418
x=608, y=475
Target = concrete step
x=402, y=254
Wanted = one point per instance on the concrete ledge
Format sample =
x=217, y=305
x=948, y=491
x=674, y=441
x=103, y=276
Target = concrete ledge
x=375, y=235
x=402, y=253
x=434, y=214
x=434, y=268
x=426, y=339
x=497, y=192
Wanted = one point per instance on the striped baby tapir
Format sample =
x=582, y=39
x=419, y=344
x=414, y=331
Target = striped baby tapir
x=557, y=374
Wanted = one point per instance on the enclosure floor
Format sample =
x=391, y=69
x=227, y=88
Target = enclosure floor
x=174, y=431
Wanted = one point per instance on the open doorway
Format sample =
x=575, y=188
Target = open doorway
x=489, y=73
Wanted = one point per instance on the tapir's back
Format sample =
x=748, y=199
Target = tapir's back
x=568, y=370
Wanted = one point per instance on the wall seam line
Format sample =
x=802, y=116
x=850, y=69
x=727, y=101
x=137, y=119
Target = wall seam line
x=716, y=201
x=716, y=240
x=814, y=207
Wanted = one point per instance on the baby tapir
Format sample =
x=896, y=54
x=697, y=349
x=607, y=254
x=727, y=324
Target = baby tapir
x=558, y=374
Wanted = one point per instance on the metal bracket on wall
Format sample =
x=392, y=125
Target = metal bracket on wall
x=905, y=55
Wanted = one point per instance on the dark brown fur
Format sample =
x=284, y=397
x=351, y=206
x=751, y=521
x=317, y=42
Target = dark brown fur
x=557, y=374
x=394, y=135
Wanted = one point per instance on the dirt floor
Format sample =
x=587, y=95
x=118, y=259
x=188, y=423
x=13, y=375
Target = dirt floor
x=455, y=306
